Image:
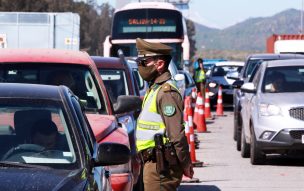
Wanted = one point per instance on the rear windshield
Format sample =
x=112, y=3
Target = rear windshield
x=78, y=78
x=115, y=82
x=223, y=70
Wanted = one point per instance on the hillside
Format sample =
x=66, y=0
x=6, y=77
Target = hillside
x=249, y=35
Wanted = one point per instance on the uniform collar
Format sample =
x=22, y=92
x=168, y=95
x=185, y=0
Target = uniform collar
x=163, y=78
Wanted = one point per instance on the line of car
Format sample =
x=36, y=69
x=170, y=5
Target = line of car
x=78, y=72
x=108, y=92
x=268, y=118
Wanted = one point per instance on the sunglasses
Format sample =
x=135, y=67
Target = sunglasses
x=144, y=61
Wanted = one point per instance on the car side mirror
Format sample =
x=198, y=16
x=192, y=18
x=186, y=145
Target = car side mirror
x=112, y=154
x=237, y=84
x=248, y=88
x=127, y=103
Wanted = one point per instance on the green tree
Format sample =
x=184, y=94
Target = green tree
x=191, y=35
x=94, y=27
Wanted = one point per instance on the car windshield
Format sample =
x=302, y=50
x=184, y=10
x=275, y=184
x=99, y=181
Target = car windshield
x=78, y=78
x=283, y=79
x=223, y=70
x=44, y=139
x=115, y=82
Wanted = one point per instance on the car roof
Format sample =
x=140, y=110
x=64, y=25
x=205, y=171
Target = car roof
x=44, y=55
x=108, y=62
x=290, y=62
x=32, y=91
x=273, y=56
x=230, y=63
x=132, y=63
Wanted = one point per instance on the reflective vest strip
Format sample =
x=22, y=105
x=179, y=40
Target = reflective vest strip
x=149, y=121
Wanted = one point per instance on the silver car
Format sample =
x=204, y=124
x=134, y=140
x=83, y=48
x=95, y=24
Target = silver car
x=273, y=110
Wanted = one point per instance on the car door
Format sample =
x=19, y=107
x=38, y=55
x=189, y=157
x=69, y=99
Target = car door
x=98, y=177
x=249, y=100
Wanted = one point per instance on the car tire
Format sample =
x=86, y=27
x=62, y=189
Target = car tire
x=257, y=157
x=238, y=133
x=239, y=140
x=245, y=147
x=235, y=129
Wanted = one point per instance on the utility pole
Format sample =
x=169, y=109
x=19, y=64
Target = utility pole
x=301, y=30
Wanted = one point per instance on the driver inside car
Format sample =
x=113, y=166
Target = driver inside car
x=45, y=133
x=44, y=138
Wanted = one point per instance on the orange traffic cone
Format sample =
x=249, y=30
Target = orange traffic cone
x=207, y=105
x=195, y=162
x=219, y=106
x=199, y=117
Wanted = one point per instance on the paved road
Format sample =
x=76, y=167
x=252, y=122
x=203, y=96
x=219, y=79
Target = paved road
x=225, y=170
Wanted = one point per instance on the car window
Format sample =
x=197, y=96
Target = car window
x=250, y=67
x=44, y=139
x=79, y=79
x=87, y=134
x=139, y=80
x=115, y=82
x=284, y=79
x=257, y=78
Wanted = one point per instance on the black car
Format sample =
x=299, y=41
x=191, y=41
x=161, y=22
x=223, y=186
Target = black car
x=252, y=63
x=46, y=142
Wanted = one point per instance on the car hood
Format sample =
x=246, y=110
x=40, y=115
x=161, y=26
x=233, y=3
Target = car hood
x=35, y=179
x=102, y=125
x=284, y=99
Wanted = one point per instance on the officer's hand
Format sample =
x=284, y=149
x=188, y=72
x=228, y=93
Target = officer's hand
x=188, y=171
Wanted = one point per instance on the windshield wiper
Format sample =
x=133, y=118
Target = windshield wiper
x=23, y=165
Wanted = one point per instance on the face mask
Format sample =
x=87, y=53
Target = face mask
x=148, y=73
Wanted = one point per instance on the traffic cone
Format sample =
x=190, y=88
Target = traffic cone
x=195, y=162
x=207, y=105
x=219, y=106
x=199, y=118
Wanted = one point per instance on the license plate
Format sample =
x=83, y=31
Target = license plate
x=302, y=139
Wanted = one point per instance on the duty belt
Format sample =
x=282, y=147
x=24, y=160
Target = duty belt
x=148, y=155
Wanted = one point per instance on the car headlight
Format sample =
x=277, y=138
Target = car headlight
x=212, y=84
x=210, y=94
x=269, y=109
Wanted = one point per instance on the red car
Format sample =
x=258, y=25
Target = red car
x=76, y=70
x=119, y=80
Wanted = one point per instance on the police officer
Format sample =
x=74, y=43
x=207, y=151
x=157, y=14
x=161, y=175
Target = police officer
x=161, y=114
x=200, y=77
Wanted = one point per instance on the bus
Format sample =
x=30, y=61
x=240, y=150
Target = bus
x=153, y=22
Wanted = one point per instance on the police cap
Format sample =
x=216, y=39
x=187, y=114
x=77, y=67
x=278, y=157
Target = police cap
x=145, y=48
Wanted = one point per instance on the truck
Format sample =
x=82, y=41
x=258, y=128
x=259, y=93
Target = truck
x=40, y=30
x=285, y=43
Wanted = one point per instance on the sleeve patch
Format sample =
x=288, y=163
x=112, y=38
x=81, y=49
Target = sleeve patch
x=169, y=110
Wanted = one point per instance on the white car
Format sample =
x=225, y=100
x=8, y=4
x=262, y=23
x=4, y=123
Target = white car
x=273, y=113
x=221, y=75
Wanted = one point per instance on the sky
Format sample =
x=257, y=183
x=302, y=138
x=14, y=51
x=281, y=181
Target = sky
x=224, y=13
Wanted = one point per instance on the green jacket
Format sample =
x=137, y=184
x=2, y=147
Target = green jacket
x=199, y=76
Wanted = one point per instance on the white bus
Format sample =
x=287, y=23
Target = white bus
x=151, y=21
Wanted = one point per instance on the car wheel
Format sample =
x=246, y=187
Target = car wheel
x=245, y=147
x=238, y=130
x=235, y=129
x=257, y=157
x=239, y=140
